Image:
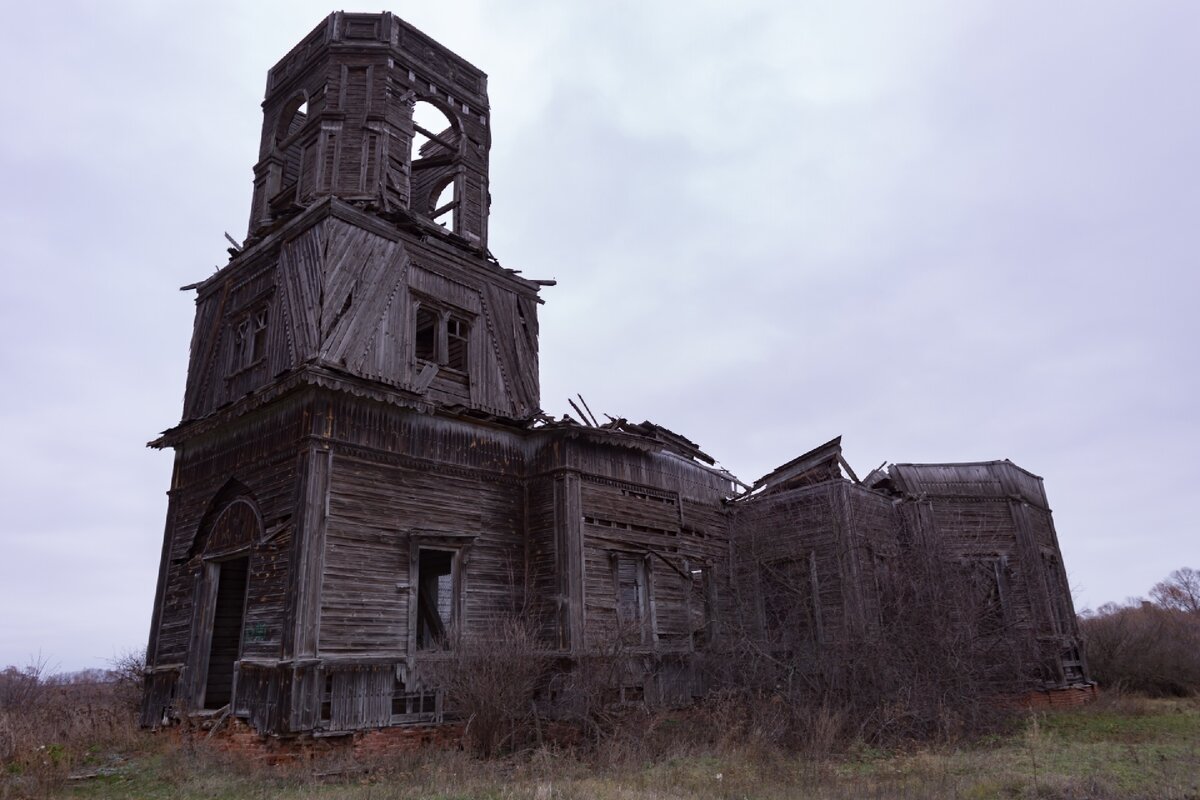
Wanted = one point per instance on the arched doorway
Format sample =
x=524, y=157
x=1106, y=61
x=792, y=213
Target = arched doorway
x=225, y=543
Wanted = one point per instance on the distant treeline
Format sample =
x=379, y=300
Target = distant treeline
x=1150, y=646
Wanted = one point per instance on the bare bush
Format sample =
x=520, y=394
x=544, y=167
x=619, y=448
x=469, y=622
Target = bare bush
x=1144, y=648
x=50, y=723
x=127, y=672
x=932, y=668
x=491, y=680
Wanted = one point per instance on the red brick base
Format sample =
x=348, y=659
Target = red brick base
x=1059, y=698
x=236, y=738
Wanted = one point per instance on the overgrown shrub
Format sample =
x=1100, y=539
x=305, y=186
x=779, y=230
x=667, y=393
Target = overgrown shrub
x=51, y=723
x=491, y=679
x=1144, y=647
x=933, y=668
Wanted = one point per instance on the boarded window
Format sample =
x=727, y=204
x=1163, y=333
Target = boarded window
x=436, y=597
x=790, y=608
x=633, y=598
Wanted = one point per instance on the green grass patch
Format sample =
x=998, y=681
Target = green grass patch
x=1143, y=749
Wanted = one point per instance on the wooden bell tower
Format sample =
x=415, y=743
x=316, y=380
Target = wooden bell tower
x=361, y=377
x=338, y=121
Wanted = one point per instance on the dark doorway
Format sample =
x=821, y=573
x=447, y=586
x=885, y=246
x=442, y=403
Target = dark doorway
x=226, y=631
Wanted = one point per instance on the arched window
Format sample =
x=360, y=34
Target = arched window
x=434, y=131
x=435, y=163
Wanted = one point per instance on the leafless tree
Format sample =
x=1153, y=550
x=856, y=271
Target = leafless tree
x=1180, y=591
x=1146, y=647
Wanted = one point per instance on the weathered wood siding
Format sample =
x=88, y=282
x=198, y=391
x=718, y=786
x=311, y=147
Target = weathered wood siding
x=795, y=526
x=254, y=461
x=654, y=510
x=543, y=591
x=400, y=477
x=341, y=291
x=337, y=120
x=996, y=510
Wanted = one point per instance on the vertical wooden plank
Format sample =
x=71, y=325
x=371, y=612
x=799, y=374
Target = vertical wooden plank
x=1033, y=568
x=301, y=629
x=164, y=566
x=570, y=556
x=852, y=582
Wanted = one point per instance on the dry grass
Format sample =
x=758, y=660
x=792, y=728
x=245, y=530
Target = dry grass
x=50, y=726
x=1122, y=747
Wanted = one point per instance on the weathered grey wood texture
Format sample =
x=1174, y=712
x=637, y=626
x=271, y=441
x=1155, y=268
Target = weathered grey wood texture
x=362, y=424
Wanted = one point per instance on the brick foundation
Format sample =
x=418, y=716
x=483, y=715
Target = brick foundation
x=236, y=738
x=1068, y=697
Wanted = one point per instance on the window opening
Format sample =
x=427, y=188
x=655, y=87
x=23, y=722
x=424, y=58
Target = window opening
x=990, y=577
x=441, y=337
x=410, y=701
x=240, y=331
x=258, y=335
x=292, y=118
x=456, y=343
x=435, y=597
x=433, y=133
x=700, y=606
x=226, y=646
x=327, y=698
x=427, y=338
x=790, y=613
x=249, y=340
x=443, y=207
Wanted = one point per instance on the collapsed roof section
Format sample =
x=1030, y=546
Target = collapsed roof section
x=645, y=436
x=821, y=464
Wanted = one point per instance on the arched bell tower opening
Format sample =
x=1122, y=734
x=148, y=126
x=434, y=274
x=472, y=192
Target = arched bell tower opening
x=436, y=147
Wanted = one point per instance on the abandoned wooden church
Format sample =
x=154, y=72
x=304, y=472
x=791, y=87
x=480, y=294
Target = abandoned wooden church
x=363, y=474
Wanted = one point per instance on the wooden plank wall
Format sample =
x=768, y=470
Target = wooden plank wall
x=379, y=501
x=652, y=507
x=260, y=453
x=342, y=294
x=542, y=583
x=790, y=525
x=874, y=525
x=996, y=510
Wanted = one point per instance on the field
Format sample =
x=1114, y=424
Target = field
x=1120, y=747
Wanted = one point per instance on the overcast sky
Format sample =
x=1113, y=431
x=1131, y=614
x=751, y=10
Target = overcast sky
x=948, y=231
